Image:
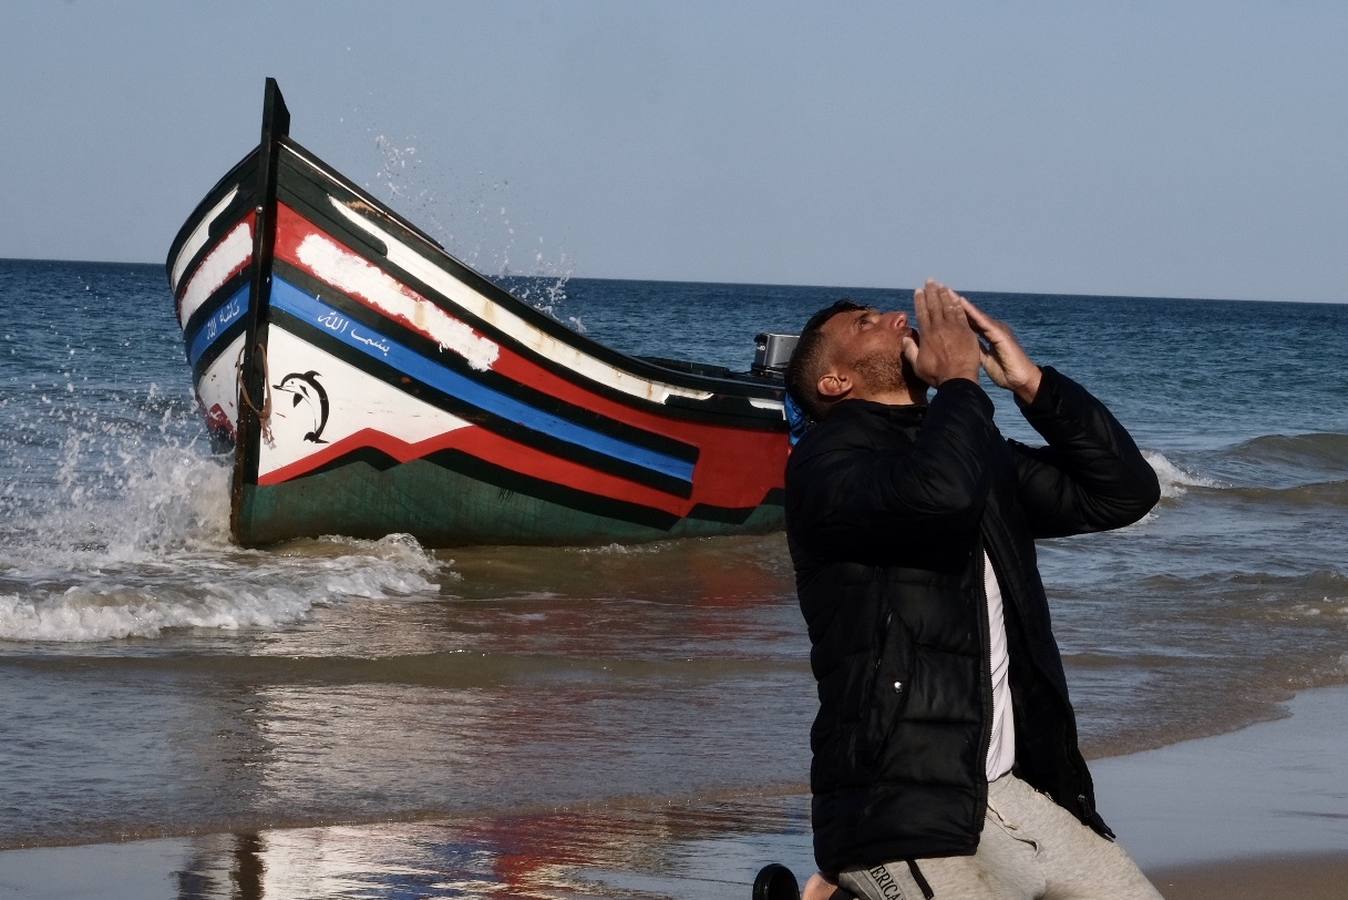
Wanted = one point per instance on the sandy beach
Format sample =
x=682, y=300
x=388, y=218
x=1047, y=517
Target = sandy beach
x=1258, y=812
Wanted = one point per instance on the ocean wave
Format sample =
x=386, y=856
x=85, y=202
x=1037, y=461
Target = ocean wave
x=1319, y=594
x=1175, y=480
x=131, y=540
x=101, y=612
x=1323, y=450
x=621, y=549
x=200, y=590
x=400, y=550
x=1320, y=493
x=1316, y=580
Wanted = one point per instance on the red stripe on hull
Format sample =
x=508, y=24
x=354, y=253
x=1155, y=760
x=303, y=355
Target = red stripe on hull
x=493, y=448
x=736, y=467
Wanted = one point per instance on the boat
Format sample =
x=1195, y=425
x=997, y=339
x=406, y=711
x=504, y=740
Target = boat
x=368, y=383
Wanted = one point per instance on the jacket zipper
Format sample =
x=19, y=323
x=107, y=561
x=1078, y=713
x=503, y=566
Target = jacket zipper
x=872, y=677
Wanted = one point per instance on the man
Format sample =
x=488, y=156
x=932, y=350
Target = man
x=945, y=747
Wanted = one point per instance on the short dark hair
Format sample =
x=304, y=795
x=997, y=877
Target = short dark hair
x=807, y=362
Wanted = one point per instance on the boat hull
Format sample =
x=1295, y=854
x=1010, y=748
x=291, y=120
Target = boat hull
x=369, y=383
x=443, y=507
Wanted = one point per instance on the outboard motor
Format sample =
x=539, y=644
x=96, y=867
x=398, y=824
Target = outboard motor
x=772, y=352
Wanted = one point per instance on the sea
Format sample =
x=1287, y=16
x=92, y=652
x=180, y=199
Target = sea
x=157, y=680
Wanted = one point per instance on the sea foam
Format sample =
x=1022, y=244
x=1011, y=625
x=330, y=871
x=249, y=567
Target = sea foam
x=240, y=590
x=132, y=540
x=1175, y=481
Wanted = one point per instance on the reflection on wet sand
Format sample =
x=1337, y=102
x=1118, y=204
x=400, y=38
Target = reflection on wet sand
x=1285, y=825
x=705, y=849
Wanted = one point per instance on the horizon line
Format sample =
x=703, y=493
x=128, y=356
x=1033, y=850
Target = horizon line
x=783, y=284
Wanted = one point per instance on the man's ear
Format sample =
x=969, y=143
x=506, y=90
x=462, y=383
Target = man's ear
x=834, y=385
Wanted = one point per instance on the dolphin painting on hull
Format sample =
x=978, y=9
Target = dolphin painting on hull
x=306, y=389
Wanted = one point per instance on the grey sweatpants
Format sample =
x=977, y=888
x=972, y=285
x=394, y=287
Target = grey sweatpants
x=1030, y=848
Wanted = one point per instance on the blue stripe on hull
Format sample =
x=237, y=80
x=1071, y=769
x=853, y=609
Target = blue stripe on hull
x=230, y=312
x=380, y=347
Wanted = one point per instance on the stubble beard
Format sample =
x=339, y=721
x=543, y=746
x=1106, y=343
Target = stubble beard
x=886, y=372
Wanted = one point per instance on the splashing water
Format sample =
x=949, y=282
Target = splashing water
x=484, y=236
x=134, y=540
x=114, y=515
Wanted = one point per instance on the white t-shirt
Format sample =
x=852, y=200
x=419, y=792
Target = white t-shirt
x=1002, y=748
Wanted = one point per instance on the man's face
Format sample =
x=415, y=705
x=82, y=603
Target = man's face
x=867, y=346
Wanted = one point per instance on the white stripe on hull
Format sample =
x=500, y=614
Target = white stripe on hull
x=197, y=239
x=215, y=269
x=535, y=339
x=355, y=401
x=352, y=274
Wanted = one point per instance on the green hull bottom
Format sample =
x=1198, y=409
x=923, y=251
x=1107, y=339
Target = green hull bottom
x=443, y=508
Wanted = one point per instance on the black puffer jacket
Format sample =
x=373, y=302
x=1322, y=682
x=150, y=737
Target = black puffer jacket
x=888, y=512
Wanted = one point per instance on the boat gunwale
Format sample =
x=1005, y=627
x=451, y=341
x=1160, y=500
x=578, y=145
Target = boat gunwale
x=198, y=213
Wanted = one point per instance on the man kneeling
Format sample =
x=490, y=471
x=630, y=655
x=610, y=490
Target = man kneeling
x=945, y=747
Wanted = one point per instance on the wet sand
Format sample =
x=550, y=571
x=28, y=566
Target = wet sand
x=1307, y=877
x=1260, y=812
x=1255, y=813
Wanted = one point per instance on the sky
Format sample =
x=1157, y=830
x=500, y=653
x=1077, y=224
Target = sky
x=1181, y=149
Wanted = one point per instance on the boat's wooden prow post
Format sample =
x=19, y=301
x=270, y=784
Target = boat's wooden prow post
x=254, y=391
